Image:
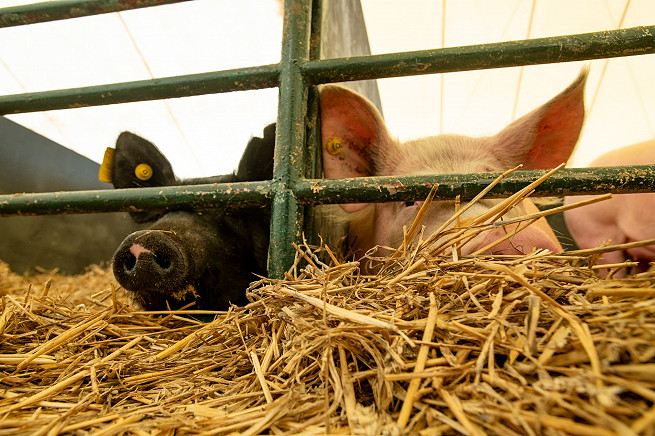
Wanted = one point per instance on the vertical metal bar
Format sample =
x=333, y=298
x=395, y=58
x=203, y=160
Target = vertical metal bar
x=313, y=164
x=315, y=30
x=287, y=217
x=313, y=159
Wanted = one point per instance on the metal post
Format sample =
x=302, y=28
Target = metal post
x=286, y=216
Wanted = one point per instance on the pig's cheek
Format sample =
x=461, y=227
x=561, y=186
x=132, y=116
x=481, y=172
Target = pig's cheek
x=384, y=223
x=198, y=247
x=391, y=219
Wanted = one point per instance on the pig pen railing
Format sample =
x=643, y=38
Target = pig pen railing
x=295, y=76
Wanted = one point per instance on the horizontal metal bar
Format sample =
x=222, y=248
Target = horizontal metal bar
x=265, y=76
x=596, y=45
x=64, y=9
x=625, y=42
x=138, y=199
x=567, y=181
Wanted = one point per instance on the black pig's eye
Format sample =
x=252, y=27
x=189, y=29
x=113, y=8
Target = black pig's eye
x=410, y=203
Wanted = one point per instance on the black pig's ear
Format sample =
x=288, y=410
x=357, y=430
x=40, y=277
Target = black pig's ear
x=257, y=160
x=136, y=163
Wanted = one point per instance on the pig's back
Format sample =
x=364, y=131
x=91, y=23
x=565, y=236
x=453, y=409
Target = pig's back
x=642, y=153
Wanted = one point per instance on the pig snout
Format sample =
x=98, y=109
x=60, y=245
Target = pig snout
x=149, y=260
x=521, y=243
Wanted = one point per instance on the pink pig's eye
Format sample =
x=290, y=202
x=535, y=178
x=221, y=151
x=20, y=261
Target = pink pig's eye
x=410, y=203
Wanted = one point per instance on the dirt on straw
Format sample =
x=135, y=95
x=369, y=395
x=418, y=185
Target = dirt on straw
x=433, y=343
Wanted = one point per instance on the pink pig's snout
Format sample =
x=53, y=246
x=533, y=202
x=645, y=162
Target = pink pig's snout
x=137, y=249
x=524, y=242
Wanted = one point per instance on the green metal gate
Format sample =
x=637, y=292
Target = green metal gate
x=299, y=71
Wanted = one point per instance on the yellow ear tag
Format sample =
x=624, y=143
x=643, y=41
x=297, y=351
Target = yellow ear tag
x=334, y=145
x=143, y=171
x=104, y=174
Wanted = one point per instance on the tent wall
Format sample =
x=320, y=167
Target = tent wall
x=31, y=163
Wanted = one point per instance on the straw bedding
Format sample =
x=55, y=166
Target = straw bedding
x=430, y=344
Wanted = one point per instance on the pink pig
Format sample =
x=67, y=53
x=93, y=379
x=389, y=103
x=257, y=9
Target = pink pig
x=622, y=219
x=544, y=138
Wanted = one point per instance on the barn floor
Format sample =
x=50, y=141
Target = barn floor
x=524, y=345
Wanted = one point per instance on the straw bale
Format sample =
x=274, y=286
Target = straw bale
x=432, y=343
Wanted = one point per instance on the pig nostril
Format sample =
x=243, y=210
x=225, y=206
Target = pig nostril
x=163, y=260
x=130, y=263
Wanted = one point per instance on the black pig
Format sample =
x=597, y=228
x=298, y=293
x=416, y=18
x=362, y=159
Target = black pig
x=207, y=256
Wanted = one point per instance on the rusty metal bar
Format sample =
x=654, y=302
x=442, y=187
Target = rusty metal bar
x=286, y=213
x=138, y=199
x=265, y=76
x=624, y=42
x=63, y=9
x=597, y=45
x=567, y=181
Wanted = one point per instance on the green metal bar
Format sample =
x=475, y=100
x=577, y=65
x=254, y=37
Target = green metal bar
x=240, y=79
x=286, y=214
x=64, y=9
x=596, y=45
x=138, y=199
x=626, y=42
x=567, y=181
x=313, y=161
x=316, y=26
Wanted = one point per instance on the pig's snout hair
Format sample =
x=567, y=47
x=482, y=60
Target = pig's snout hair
x=150, y=261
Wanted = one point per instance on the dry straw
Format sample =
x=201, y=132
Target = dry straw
x=435, y=343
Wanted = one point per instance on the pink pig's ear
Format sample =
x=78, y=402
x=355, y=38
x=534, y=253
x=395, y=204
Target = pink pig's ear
x=545, y=137
x=353, y=134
